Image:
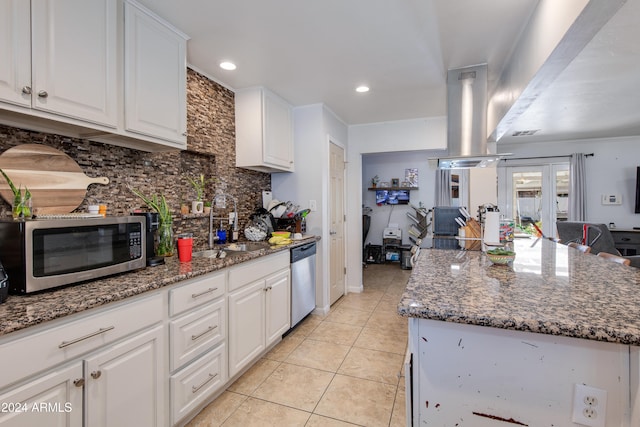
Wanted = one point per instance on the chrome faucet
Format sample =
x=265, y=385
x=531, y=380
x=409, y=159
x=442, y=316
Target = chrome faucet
x=212, y=237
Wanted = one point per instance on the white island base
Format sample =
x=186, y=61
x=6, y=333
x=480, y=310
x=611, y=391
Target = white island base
x=476, y=376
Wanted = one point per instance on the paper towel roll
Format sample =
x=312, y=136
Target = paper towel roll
x=492, y=227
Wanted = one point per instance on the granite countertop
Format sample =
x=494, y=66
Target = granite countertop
x=20, y=312
x=549, y=289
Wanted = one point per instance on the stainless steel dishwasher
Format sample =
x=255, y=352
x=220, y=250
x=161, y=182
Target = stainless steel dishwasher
x=303, y=281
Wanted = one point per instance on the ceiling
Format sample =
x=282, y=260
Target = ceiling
x=318, y=52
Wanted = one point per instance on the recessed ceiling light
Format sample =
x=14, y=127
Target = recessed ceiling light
x=362, y=89
x=226, y=65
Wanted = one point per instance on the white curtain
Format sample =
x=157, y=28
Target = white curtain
x=443, y=187
x=577, y=190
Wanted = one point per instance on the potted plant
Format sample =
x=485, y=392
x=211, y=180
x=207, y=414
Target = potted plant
x=207, y=207
x=21, y=206
x=199, y=185
x=165, y=221
x=374, y=181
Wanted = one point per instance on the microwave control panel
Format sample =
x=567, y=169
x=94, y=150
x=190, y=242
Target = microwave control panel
x=135, y=244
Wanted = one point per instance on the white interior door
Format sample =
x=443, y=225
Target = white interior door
x=336, y=223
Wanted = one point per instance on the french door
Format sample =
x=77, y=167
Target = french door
x=535, y=195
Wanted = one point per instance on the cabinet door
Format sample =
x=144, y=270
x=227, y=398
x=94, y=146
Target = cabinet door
x=53, y=399
x=155, y=77
x=15, y=51
x=74, y=64
x=246, y=325
x=278, y=305
x=125, y=383
x=278, y=132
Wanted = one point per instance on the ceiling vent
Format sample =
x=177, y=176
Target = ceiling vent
x=525, y=132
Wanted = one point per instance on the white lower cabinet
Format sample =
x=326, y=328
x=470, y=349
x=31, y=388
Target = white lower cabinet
x=246, y=325
x=197, y=350
x=278, y=305
x=193, y=385
x=151, y=361
x=124, y=383
x=54, y=399
x=259, y=308
x=104, y=368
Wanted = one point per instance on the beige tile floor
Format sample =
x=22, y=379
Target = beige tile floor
x=341, y=370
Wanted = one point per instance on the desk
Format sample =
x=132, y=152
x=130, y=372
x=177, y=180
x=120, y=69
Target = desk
x=512, y=341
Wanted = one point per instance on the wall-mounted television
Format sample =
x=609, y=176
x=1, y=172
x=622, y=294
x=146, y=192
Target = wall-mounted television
x=392, y=197
x=637, y=190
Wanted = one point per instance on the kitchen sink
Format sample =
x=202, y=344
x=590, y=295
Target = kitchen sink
x=247, y=246
x=231, y=250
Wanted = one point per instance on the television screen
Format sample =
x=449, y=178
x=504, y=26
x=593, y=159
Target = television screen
x=392, y=197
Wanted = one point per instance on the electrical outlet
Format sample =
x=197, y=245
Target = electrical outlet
x=589, y=406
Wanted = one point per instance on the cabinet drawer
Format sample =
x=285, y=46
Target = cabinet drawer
x=626, y=237
x=251, y=271
x=194, y=333
x=51, y=346
x=195, y=384
x=196, y=292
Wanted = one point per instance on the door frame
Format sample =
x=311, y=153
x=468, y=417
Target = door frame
x=548, y=172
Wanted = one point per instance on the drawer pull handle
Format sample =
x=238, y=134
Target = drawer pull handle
x=79, y=382
x=194, y=389
x=96, y=374
x=64, y=344
x=209, y=329
x=625, y=239
x=208, y=291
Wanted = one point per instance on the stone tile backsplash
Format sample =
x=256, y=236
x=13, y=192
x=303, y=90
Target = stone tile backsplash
x=211, y=151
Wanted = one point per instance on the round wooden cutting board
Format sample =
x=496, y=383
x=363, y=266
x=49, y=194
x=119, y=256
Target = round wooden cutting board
x=55, y=180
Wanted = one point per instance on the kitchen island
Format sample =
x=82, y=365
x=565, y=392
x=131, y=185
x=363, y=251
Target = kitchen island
x=494, y=344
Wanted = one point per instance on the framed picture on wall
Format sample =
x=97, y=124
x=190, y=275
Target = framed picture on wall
x=411, y=176
x=395, y=182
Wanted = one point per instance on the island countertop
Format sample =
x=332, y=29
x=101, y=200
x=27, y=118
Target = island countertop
x=549, y=289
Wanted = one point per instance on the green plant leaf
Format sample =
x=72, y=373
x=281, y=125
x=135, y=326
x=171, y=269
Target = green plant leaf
x=16, y=192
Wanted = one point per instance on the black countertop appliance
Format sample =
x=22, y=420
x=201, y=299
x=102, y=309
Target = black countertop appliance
x=153, y=223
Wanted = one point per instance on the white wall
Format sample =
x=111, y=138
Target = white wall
x=612, y=169
x=406, y=135
x=314, y=126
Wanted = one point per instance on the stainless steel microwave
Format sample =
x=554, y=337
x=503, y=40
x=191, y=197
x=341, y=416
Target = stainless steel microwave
x=43, y=254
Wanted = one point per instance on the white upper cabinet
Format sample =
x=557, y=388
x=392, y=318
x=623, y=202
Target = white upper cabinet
x=105, y=70
x=15, y=51
x=155, y=76
x=264, y=131
x=74, y=63
x=61, y=57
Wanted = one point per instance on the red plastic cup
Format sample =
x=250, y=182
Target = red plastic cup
x=185, y=248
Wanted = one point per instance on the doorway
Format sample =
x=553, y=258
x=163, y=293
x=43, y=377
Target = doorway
x=337, y=268
x=535, y=195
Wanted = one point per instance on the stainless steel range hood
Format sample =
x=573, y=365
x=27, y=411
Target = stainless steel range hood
x=467, y=120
